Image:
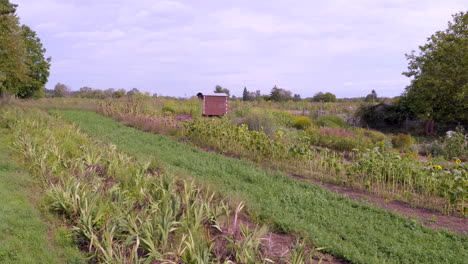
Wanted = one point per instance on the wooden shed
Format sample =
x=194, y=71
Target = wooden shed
x=215, y=104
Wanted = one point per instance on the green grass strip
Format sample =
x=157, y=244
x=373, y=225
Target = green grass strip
x=348, y=229
x=23, y=234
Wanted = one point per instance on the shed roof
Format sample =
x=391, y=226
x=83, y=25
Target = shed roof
x=216, y=94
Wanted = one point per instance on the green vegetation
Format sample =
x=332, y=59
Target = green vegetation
x=122, y=210
x=332, y=121
x=302, y=122
x=24, y=235
x=348, y=229
x=23, y=68
x=324, y=97
x=402, y=141
x=312, y=153
x=439, y=84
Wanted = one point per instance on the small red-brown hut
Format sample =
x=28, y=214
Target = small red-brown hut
x=215, y=104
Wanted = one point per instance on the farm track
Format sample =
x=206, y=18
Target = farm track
x=348, y=229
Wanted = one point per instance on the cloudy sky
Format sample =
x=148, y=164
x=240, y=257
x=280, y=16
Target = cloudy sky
x=180, y=47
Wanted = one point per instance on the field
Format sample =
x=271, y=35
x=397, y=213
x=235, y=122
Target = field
x=171, y=188
x=26, y=236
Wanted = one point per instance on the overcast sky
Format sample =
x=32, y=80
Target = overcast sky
x=182, y=47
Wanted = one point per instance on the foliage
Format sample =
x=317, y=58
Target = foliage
x=324, y=97
x=372, y=97
x=439, y=85
x=62, y=90
x=337, y=139
x=121, y=208
x=402, y=141
x=219, y=89
x=302, y=122
x=381, y=116
x=24, y=234
x=23, y=68
x=294, y=154
x=36, y=62
x=405, y=175
x=454, y=146
x=332, y=121
x=283, y=119
x=13, y=67
x=259, y=120
x=327, y=219
x=249, y=96
x=280, y=95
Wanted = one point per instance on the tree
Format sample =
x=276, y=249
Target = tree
x=248, y=96
x=61, y=90
x=119, y=93
x=439, y=76
x=280, y=95
x=13, y=67
x=296, y=97
x=38, y=65
x=372, y=97
x=324, y=97
x=245, y=95
x=219, y=89
x=133, y=91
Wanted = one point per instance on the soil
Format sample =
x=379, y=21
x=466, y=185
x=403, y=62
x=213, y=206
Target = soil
x=429, y=218
x=274, y=246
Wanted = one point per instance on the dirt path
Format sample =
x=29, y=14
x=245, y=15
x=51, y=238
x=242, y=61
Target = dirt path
x=429, y=218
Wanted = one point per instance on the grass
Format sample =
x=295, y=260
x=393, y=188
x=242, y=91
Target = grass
x=24, y=236
x=348, y=229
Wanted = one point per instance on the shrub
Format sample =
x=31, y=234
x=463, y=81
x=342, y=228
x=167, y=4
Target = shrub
x=338, y=139
x=284, y=119
x=402, y=141
x=302, y=122
x=333, y=121
x=259, y=119
x=456, y=145
x=169, y=107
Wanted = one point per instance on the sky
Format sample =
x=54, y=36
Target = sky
x=182, y=47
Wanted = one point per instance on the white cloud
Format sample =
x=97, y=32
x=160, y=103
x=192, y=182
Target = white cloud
x=342, y=46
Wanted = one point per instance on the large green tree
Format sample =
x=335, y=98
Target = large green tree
x=439, y=75
x=13, y=69
x=24, y=70
x=38, y=64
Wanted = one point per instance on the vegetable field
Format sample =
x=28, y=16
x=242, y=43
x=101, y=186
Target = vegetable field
x=326, y=219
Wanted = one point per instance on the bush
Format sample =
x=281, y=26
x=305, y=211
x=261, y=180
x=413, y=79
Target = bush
x=260, y=119
x=302, y=122
x=338, y=139
x=284, y=119
x=456, y=145
x=332, y=121
x=169, y=107
x=402, y=141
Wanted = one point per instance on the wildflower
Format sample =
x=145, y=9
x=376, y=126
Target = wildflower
x=428, y=163
x=437, y=167
x=458, y=161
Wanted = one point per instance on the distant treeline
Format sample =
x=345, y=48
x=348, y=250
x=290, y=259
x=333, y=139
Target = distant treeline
x=62, y=90
x=276, y=95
